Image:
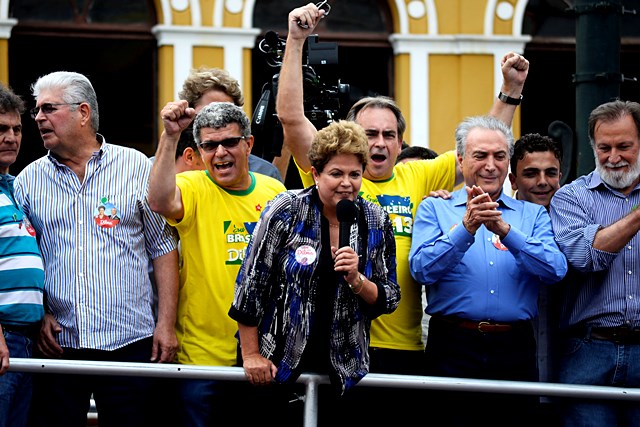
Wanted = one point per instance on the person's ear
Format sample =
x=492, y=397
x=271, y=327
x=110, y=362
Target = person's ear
x=188, y=155
x=315, y=175
x=250, y=141
x=85, y=111
x=512, y=179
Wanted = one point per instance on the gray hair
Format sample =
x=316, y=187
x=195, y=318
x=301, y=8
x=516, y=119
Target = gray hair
x=611, y=112
x=482, y=122
x=76, y=88
x=218, y=115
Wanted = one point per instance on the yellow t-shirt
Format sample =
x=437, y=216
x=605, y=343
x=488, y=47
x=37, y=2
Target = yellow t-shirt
x=214, y=235
x=400, y=196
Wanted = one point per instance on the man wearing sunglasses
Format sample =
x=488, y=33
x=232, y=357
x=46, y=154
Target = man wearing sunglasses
x=97, y=289
x=214, y=211
x=203, y=86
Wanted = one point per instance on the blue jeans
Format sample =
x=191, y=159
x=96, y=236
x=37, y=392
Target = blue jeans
x=197, y=402
x=15, y=387
x=602, y=363
x=211, y=402
x=205, y=403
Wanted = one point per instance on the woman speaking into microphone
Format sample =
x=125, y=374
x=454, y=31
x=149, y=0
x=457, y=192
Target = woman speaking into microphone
x=305, y=295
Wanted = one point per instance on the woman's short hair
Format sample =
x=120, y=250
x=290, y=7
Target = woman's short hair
x=612, y=111
x=341, y=137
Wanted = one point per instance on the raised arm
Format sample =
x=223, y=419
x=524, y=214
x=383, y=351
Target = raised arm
x=164, y=195
x=514, y=68
x=297, y=129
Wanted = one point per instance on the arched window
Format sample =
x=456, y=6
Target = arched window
x=118, y=12
x=110, y=42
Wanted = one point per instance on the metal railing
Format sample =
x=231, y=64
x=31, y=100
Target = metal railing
x=312, y=381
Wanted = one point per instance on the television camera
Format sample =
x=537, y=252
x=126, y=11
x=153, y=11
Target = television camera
x=322, y=100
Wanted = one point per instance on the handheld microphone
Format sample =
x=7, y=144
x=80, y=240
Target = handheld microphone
x=347, y=213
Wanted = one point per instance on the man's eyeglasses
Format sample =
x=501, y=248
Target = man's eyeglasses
x=49, y=108
x=210, y=146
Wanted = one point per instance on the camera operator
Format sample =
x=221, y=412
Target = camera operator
x=396, y=339
x=323, y=102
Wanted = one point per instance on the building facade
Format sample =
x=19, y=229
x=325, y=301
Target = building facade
x=440, y=59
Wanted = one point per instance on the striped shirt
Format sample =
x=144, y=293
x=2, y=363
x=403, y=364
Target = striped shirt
x=603, y=288
x=21, y=269
x=96, y=239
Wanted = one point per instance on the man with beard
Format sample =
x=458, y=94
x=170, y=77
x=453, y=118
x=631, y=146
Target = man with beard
x=596, y=223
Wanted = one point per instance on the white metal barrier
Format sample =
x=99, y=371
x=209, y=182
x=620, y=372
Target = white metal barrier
x=312, y=381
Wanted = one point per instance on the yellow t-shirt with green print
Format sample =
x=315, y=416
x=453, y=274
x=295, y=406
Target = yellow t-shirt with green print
x=214, y=235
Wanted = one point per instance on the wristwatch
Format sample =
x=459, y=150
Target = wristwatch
x=357, y=287
x=509, y=100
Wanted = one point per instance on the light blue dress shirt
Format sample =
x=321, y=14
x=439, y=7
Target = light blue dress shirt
x=480, y=277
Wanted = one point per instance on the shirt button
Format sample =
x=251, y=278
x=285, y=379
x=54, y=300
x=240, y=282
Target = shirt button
x=629, y=271
x=492, y=291
x=490, y=262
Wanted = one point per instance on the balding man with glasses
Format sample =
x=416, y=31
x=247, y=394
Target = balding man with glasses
x=214, y=211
